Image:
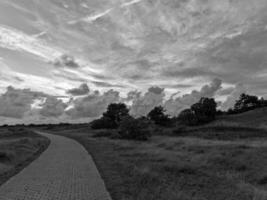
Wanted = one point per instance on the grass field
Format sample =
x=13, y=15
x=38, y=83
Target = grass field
x=206, y=163
x=18, y=148
x=254, y=118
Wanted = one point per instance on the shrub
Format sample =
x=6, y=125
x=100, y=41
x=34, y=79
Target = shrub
x=103, y=123
x=158, y=116
x=109, y=133
x=188, y=117
x=205, y=110
x=134, y=129
x=115, y=113
x=5, y=157
x=180, y=130
x=246, y=103
x=201, y=112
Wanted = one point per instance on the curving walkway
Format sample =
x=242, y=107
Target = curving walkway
x=64, y=171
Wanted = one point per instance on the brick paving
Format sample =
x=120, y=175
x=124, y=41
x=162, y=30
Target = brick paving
x=64, y=171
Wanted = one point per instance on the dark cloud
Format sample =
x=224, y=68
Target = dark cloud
x=107, y=85
x=156, y=90
x=83, y=89
x=190, y=72
x=175, y=86
x=66, y=61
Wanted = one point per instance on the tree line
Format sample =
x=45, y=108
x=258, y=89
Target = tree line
x=246, y=103
x=204, y=111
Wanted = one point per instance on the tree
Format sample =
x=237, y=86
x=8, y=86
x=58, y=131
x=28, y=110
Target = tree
x=262, y=102
x=115, y=112
x=158, y=116
x=201, y=112
x=205, y=110
x=246, y=102
x=188, y=117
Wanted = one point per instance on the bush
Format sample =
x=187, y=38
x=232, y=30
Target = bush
x=103, y=123
x=180, y=130
x=201, y=112
x=133, y=129
x=188, y=117
x=205, y=110
x=5, y=157
x=158, y=116
x=246, y=103
x=115, y=113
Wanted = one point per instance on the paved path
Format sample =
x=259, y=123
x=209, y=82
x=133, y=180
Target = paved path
x=64, y=171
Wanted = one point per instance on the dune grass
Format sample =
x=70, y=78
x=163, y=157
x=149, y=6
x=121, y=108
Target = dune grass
x=254, y=118
x=18, y=148
x=202, y=167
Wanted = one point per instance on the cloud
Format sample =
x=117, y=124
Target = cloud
x=18, y=40
x=15, y=102
x=156, y=90
x=108, y=85
x=66, y=61
x=174, y=106
x=53, y=107
x=225, y=91
x=92, y=105
x=231, y=99
x=142, y=105
x=134, y=44
x=132, y=95
x=83, y=89
x=130, y=3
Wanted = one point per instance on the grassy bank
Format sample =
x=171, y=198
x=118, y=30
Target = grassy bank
x=192, y=167
x=18, y=148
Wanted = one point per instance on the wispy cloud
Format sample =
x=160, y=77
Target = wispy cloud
x=16, y=40
x=135, y=44
x=97, y=16
x=130, y=3
x=93, y=17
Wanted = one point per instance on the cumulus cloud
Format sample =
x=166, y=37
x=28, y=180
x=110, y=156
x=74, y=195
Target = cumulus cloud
x=83, y=89
x=53, y=107
x=231, y=99
x=225, y=91
x=174, y=106
x=92, y=105
x=15, y=102
x=132, y=95
x=30, y=106
x=143, y=104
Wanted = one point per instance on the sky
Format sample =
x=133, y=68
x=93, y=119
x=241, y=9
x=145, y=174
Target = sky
x=66, y=60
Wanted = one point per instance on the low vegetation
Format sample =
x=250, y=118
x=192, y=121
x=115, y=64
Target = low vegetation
x=135, y=129
x=202, y=112
x=117, y=117
x=202, y=154
x=18, y=147
x=158, y=116
x=246, y=103
x=200, y=164
x=220, y=132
